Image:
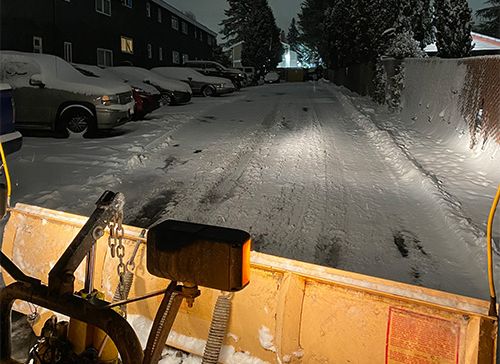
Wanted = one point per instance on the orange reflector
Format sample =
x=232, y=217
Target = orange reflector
x=245, y=268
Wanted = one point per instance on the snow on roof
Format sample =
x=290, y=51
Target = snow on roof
x=56, y=73
x=5, y=86
x=183, y=16
x=481, y=43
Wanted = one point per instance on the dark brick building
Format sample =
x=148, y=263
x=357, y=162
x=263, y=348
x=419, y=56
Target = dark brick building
x=104, y=32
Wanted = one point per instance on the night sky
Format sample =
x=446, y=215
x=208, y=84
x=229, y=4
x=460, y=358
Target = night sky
x=211, y=12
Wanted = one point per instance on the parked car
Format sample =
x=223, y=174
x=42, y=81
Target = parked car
x=146, y=97
x=172, y=92
x=199, y=83
x=210, y=68
x=251, y=74
x=51, y=94
x=11, y=139
x=272, y=77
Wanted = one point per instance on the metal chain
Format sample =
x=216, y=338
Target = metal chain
x=115, y=242
x=111, y=238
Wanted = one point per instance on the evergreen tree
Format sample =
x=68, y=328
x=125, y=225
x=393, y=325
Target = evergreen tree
x=453, y=22
x=262, y=48
x=422, y=23
x=490, y=17
x=237, y=22
x=253, y=23
x=293, y=36
x=313, y=28
x=218, y=55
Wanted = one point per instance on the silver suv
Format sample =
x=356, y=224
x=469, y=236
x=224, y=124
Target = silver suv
x=52, y=95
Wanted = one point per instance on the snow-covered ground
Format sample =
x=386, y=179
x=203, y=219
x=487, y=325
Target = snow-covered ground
x=312, y=172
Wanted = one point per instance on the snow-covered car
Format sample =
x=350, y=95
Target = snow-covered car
x=211, y=68
x=272, y=77
x=199, y=83
x=11, y=139
x=172, y=92
x=146, y=97
x=50, y=94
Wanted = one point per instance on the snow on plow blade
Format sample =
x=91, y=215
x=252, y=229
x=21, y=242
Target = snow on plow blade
x=291, y=312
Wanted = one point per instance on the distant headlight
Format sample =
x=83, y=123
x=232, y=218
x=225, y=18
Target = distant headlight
x=108, y=100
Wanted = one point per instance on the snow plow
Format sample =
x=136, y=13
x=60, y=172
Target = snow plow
x=204, y=292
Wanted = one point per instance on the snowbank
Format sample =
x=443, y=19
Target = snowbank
x=457, y=103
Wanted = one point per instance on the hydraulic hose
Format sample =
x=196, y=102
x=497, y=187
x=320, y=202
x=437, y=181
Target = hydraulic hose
x=489, y=238
x=7, y=174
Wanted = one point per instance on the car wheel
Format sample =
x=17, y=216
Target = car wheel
x=208, y=91
x=166, y=99
x=78, y=122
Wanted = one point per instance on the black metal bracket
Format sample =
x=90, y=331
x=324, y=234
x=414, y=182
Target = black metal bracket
x=61, y=277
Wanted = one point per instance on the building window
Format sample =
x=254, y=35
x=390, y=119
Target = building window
x=175, y=23
x=176, y=57
x=185, y=58
x=127, y=3
x=148, y=10
x=104, y=57
x=150, y=51
x=68, y=52
x=37, y=45
x=159, y=15
x=160, y=53
x=184, y=27
x=195, y=33
x=103, y=7
x=201, y=36
x=127, y=45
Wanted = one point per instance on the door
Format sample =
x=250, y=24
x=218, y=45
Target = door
x=33, y=106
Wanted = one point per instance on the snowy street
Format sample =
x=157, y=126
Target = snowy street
x=313, y=173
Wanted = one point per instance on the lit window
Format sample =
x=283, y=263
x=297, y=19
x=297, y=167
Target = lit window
x=127, y=45
x=37, y=45
x=185, y=58
x=127, y=3
x=68, y=52
x=176, y=57
x=150, y=51
x=184, y=27
x=148, y=10
x=103, y=7
x=159, y=15
x=175, y=23
x=160, y=53
x=104, y=57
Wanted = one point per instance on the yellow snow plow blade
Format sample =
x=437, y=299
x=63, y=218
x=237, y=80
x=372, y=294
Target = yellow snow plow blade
x=291, y=312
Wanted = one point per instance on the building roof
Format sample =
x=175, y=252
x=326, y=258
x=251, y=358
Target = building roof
x=481, y=43
x=183, y=16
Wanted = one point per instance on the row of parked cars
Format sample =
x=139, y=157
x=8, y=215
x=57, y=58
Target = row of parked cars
x=51, y=94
